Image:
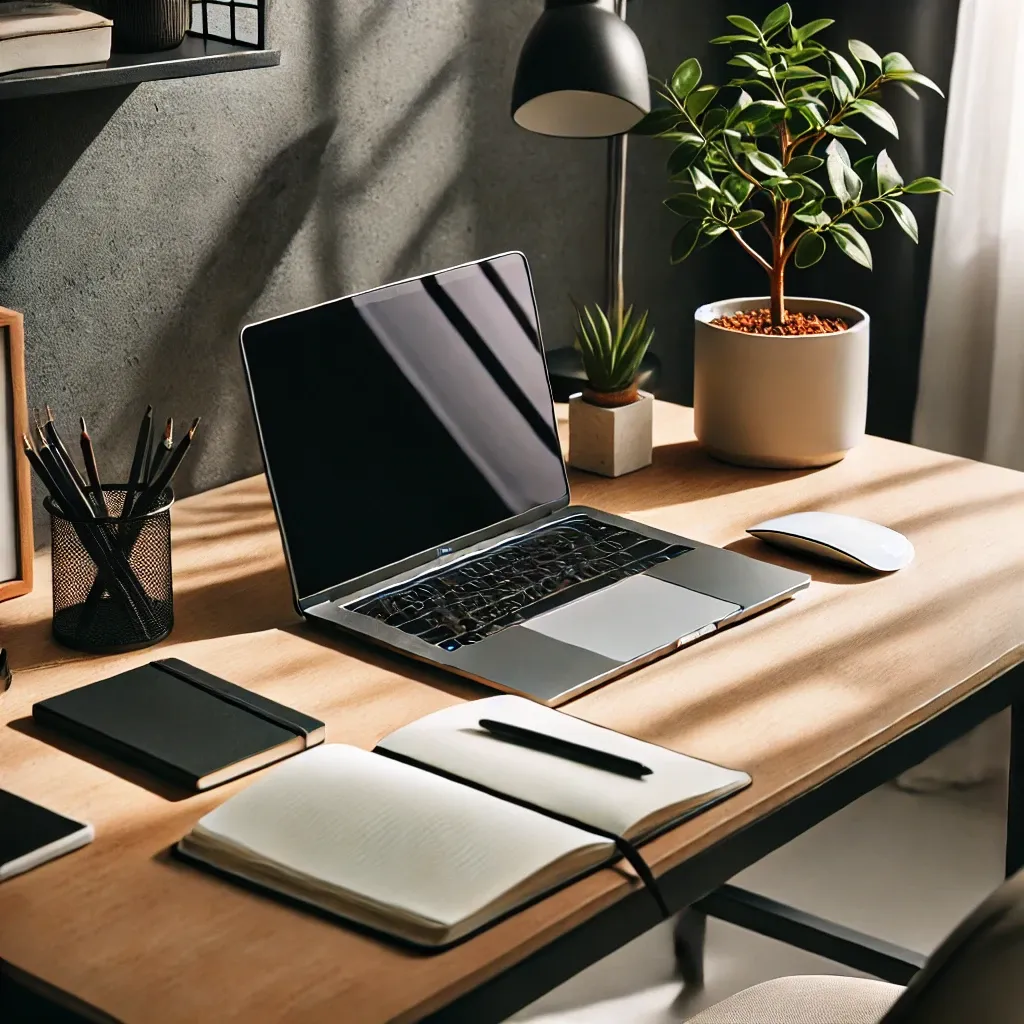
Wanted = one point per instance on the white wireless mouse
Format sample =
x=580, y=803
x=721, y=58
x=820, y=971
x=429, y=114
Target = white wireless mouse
x=845, y=539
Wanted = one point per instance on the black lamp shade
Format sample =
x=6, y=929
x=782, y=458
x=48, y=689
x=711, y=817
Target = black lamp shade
x=582, y=73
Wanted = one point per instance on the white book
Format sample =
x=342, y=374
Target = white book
x=384, y=839
x=35, y=34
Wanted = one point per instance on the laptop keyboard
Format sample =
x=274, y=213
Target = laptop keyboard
x=516, y=581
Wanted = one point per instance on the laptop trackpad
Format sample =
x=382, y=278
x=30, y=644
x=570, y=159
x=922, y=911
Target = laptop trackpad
x=632, y=618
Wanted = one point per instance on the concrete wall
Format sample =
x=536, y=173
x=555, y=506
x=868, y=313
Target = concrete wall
x=139, y=229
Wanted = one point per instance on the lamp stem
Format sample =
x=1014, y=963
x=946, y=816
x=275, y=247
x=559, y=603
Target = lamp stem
x=615, y=232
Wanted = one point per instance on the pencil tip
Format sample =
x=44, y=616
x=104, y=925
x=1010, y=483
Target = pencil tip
x=195, y=423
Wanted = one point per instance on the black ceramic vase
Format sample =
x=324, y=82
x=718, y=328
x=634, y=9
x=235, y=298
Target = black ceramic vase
x=142, y=26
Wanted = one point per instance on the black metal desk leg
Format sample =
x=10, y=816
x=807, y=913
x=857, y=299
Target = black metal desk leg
x=1015, y=794
x=690, y=933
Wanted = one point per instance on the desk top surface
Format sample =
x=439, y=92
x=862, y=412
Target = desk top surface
x=791, y=696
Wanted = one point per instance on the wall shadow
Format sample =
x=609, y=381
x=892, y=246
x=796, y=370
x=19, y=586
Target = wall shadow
x=43, y=138
x=542, y=195
x=197, y=348
x=679, y=473
x=342, y=39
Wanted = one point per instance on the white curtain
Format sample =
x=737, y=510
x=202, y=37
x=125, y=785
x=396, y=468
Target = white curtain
x=971, y=393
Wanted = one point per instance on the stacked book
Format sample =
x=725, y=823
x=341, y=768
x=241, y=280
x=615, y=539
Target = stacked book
x=34, y=34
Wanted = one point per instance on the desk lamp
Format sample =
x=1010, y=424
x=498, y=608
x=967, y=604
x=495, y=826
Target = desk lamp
x=582, y=75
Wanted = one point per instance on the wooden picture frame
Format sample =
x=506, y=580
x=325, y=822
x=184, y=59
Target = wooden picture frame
x=16, y=545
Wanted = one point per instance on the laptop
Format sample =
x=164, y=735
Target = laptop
x=411, y=448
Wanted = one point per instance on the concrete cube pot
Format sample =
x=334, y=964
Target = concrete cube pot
x=608, y=441
x=785, y=402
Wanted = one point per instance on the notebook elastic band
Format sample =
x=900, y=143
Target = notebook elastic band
x=225, y=691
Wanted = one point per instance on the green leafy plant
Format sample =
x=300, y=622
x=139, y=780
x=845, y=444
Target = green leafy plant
x=752, y=162
x=612, y=354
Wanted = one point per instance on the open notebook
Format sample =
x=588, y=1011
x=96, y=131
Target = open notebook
x=431, y=856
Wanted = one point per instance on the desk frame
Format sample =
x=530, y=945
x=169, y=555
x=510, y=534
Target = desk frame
x=843, y=945
x=699, y=880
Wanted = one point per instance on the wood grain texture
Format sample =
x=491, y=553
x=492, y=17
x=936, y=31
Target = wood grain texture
x=12, y=334
x=791, y=696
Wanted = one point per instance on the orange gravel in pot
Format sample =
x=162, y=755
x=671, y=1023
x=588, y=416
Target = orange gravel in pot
x=759, y=321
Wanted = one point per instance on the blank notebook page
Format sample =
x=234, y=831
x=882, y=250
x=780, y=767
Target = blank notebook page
x=394, y=835
x=451, y=740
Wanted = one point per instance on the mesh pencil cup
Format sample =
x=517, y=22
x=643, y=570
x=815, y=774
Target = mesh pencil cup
x=112, y=588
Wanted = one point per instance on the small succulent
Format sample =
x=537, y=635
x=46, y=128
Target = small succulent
x=612, y=353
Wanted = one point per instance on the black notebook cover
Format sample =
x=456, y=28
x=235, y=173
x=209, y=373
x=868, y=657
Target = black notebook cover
x=178, y=722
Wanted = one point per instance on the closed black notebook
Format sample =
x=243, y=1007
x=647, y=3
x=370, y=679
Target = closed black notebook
x=181, y=724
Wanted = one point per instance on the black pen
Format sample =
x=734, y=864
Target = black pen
x=565, y=749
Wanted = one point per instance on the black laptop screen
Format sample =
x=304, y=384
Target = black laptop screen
x=398, y=420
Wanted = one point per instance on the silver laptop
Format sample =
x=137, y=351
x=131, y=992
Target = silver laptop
x=412, y=452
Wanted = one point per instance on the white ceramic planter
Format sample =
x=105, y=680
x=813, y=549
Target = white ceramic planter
x=611, y=441
x=780, y=401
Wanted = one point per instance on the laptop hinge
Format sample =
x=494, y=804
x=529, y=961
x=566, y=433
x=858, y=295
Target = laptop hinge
x=434, y=557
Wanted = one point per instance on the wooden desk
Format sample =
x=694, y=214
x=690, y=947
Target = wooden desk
x=819, y=700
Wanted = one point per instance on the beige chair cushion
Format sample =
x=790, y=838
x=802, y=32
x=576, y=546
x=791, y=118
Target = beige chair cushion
x=975, y=977
x=806, y=999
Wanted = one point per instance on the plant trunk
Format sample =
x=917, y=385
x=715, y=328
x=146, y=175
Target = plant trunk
x=778, y=295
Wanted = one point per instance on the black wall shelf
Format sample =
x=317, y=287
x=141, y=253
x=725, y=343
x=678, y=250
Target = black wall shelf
x=195, y=56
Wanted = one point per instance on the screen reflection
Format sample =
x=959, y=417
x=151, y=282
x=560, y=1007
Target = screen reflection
x=401, y=419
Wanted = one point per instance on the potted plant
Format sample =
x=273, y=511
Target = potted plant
x=611, y=423
x=782, y=381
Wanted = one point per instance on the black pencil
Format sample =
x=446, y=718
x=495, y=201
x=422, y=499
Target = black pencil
x=144, y=501
x=113, y=569
x=92, y=470
x=70, y=497
x=138, y=461
x=162, y=450
x=41, y=471
x=166, y=475
x=57, y=443
x=79, y=511
x=147, y=499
